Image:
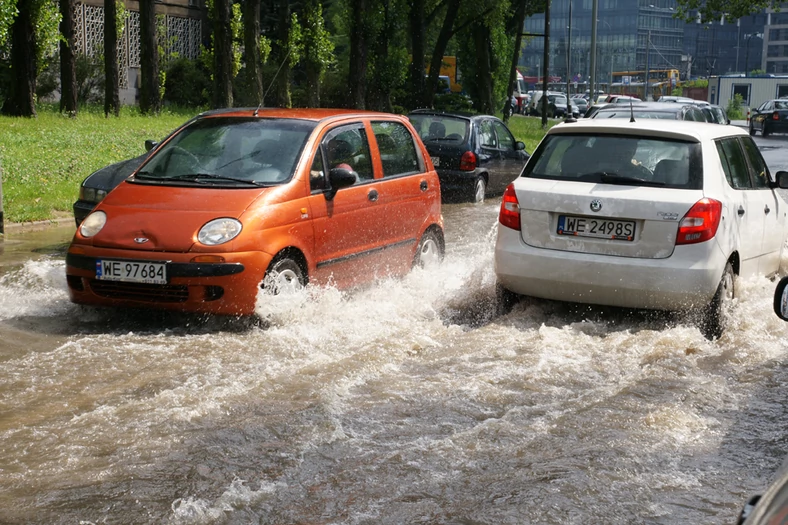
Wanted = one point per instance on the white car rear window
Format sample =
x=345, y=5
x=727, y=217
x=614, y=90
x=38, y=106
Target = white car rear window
x=618, y=159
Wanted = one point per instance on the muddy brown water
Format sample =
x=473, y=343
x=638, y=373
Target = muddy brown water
x=408, y=401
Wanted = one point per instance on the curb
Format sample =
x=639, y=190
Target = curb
x=22, y=227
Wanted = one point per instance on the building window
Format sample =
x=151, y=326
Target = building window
x=743, y=90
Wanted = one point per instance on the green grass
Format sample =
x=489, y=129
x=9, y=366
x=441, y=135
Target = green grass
x=529, y=130
x=44, y=160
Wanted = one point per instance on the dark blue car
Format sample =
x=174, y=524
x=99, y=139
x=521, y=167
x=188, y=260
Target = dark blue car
x=474, y=155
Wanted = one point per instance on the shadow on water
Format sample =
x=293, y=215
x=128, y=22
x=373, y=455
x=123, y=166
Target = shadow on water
x=480, y=308
x=82, y=320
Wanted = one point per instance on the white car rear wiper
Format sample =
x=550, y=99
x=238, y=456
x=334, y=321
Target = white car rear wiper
x=615, y=178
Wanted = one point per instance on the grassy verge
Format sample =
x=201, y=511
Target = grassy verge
x=529, y=130
x=43, y=160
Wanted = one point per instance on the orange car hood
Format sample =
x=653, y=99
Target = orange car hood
x=168, y=217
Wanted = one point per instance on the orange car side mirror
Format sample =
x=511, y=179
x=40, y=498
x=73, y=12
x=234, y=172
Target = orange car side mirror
x=340, y=178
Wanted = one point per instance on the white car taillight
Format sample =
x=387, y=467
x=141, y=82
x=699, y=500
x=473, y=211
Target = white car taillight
x=700, y=223
x=509, y=215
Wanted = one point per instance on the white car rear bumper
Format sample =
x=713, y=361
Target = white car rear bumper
x=686, y=279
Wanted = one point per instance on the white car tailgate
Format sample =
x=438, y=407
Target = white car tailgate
x=626, y=221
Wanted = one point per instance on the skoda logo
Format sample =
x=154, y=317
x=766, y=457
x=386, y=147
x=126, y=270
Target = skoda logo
x=140, y=240
x=596, y=205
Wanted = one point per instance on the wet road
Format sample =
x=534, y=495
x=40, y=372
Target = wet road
x=405, y=402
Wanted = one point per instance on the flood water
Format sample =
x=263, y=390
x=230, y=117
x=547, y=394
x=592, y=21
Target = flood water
x=405, y=402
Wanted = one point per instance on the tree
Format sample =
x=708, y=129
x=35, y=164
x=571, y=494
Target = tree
x=111, y=76
x=711, y=10
x=318, y=50
x=418, y=48
x=150, y=99
x=253, y=51
x=68, y=62
x=223, y=59
x=20, y=101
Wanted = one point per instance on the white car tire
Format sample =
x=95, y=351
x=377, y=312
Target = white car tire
x=714, y=317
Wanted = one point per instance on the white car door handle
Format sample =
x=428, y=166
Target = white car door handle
x=740, y=211
x=766, y=209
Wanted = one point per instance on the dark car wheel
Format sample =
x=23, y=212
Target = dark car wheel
x=284, y=275
x=752, y=129
x=764, y=129
x=504, y=300
x=430, y=251
x=479, y=189
x=714, y=317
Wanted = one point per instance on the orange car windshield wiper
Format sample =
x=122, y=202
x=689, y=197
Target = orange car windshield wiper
x=207, y=178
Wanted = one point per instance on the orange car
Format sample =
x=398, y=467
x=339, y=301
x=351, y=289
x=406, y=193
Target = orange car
x=240, y=199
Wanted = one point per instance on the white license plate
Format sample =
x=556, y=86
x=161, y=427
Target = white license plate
x=597, y=228
x=131, y=271
x=436, y=161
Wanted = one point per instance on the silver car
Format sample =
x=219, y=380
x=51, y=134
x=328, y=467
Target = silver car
x=653, y=214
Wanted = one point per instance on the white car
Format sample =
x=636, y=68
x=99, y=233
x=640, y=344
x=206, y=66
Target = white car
x=661, y=215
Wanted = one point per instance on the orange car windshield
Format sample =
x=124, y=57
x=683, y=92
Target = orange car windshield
x=230, y=151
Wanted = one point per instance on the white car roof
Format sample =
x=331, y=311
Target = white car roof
x=673, y=129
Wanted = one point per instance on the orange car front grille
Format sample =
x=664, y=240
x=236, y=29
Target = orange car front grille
x=159, y=293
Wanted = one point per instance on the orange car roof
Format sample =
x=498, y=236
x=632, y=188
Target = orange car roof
x=315, y=114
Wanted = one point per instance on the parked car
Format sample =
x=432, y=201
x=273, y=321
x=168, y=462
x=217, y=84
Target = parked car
x=770, y=117
x=652, y=214
x=594, y=109
x=651, y=110
x=474, y=155
x=557, y=107
x=238, y=199
x=715, y=114
x=621, y=99
x=98, y=184
x=673, y=98
x=581, y=103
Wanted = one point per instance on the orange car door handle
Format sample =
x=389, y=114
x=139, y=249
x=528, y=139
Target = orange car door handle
x=372, y=195
x=423, y=186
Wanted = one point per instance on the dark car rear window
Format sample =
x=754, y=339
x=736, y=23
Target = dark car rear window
x=444, y=129
x=618, y=159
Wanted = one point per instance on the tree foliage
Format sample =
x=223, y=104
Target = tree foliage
x=711, y=10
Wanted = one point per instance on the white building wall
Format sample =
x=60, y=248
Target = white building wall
x=754, y=90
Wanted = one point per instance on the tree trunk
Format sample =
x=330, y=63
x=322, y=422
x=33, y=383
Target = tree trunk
x=282, y=56
x=518, y=40
x=222, y=54
x=21, y=94
x=150, y=99
x=254, y=70
x=418, y=51
x=446, y=32
x=111, y=77
x=358, y=55
x=484, y=88
x=379, y=94
x=312, y=70
x=68, y=63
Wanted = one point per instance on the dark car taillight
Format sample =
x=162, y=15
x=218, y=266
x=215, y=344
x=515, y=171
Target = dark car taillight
x=775, y=116
x=509, y=215
x=468, y=161
x=700, y=223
